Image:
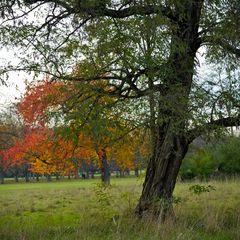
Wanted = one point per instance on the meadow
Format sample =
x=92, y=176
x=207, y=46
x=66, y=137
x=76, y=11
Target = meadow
x=83, y=209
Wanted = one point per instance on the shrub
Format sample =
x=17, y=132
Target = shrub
x=221, y=157
x=199, y=163
x=229, y=156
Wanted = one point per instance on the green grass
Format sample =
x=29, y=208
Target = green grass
x=83, y=210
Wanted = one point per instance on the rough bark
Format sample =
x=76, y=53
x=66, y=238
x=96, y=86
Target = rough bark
x=161, y=175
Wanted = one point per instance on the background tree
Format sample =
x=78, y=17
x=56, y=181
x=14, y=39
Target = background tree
x=80, y=116
x=131, y=152
x=10, y=130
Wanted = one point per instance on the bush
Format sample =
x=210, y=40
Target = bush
x=200, y=163
x=229, y=156
x=222, y=157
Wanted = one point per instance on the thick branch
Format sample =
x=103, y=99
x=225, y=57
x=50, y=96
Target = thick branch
x=100, y=10
x=225, y=45
x=139, y=10
x=223, y=122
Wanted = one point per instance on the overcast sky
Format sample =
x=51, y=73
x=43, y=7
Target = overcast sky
x=15, y=83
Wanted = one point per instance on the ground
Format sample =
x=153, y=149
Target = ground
x=82, y=209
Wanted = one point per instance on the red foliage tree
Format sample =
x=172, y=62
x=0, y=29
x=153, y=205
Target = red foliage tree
x=83, y=109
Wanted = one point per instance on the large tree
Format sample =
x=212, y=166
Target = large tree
x=144, y=50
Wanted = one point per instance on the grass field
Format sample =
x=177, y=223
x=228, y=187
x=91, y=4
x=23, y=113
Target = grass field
x=81, y=209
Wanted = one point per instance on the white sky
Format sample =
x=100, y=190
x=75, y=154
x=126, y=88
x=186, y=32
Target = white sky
x=15, y=83
x=15, y=88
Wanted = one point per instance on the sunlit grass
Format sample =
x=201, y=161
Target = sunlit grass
x=83, y=210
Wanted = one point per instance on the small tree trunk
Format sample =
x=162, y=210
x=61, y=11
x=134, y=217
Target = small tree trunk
x=26, y=173
x=16, y=178
x=121, y=173
x=37, y=177
x=136, y=170
x=161, y=175
x=104, y=166
x=27, y=177
x=49, y=178
x=1, y=177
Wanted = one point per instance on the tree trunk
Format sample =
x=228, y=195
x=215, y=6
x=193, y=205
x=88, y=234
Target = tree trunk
x=122, y=173
x=27, y=177
x=136, y=171
x=49, y=177
x=170, y=144
x=26, y=172
x=161, y=175
x=105, y=176
x=16, y=178
x=37, y=177
x=1, y=177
